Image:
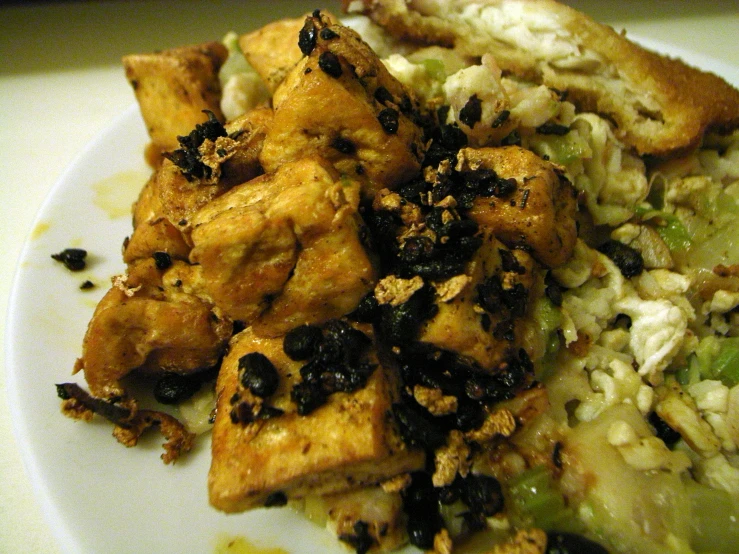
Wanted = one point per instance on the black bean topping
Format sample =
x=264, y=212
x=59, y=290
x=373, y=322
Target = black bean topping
x=367, y=310
x=187, y=157
x=559, y=542
x=416, y=428
x=421, y=504
x=471, y=113
x=302, y=342
x=330, y=64
x=383, y=96
x=258, y=374
x=87, y=285
x=174, y=388
x=345, y=146
x=328, y=34
x=510, y=263
x=482, y=494
x=668, y=435
x=308, y=396
x=307, y=37
x=422, y=530
x=361, y=539
x=501, y=118
x=162, y=260
x=513, y=139
x=72, y=258
x=551, y=128
x=388, y=118
x=399, y=324
x=626, y=258
x=275, y=499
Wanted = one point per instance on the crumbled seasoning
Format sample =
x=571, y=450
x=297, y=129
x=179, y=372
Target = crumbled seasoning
x=451, y=288
x=500, y=422
x=525, y=541
x=434, y=400
x=396, y=291
x=451, y=459
x=397, y=483
x=119, y=282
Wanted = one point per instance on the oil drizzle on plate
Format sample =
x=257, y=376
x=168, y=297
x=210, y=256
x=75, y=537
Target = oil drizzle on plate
x=116, y=194
x=239, y=545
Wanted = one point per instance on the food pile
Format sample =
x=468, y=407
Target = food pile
x=456, y=274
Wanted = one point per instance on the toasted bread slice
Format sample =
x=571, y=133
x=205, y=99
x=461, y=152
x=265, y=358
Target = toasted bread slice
x=348, y=442
x=659, y=105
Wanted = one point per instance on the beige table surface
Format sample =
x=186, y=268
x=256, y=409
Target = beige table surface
x=61, y=83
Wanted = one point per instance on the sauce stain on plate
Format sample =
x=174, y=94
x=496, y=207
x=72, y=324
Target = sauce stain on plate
x=239, y=545
x=40, y=228
x=116, y=194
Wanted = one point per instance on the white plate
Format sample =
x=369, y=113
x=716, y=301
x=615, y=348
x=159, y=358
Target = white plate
x=97, y=495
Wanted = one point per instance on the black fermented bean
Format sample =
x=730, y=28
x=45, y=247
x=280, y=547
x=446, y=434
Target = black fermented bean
x=571, y=543
x=174, y=388
x=258, y=374
x=627, y=259
x=302, y=342
x=330, y=64
x=72, y=258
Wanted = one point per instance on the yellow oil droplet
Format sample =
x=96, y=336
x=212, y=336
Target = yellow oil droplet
x=116, y=194
x=239, y=545
x=40, y=229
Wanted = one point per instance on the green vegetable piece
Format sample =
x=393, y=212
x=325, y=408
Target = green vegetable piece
x=714, y=519
x=535, y=500
x=725, y=366
x=435, y=68
x=674, y=233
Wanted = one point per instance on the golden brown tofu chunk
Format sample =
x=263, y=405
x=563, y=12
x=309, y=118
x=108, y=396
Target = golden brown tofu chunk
x=341, y=103
x=285, y=248
x=348, y=442
x=273, y=50
x=144, y=324
x=479, y=312
x=538, y=214
x=174, y=86
x=152, y=231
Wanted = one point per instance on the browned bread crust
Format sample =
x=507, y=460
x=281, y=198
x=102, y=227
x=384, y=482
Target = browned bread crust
x=659, y=105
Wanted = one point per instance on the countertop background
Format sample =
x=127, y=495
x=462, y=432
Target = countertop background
x=61, y=83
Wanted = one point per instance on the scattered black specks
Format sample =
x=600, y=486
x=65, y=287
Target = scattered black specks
x=162, y=260
x=330, y=64
x=389, y=120
x=275, y=499
x=471, y=113
x=525, y=198
x=501, y=118
x=383, y=96
x=308, y=70
x=551, y=128
x=328, y=34
x=628, y=260
x=513, y=139
x=72, y=258
x=345, y=146
x=361, y=539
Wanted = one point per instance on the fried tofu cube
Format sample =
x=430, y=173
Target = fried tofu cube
x=349, y=442
x=538, y=215
x=285, y=248
x=341, y=103
x=483, y=331
x=144, y=323
x=273, y=50
x=174, y=86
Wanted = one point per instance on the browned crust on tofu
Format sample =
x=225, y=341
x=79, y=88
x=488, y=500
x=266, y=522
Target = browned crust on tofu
x=349, y=442
x=174, y=86
x=659, y=105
